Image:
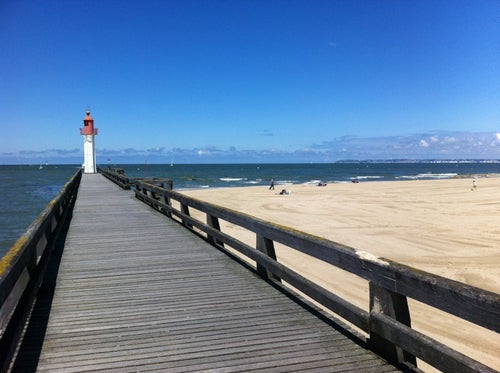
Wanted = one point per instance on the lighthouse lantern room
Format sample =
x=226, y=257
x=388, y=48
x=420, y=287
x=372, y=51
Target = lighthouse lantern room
x=88, y=132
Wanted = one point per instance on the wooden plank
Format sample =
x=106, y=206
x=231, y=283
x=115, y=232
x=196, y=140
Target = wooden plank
x=137, y=291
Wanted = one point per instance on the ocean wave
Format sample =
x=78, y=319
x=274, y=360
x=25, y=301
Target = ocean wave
x=229, y=179
x=361, y=177
x=428, y=176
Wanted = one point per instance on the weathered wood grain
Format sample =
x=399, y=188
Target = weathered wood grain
x=136, y=291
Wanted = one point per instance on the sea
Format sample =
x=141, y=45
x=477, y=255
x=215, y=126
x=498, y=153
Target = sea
x=27, y=189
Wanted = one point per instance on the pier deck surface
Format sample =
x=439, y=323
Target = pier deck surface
x=136, y=291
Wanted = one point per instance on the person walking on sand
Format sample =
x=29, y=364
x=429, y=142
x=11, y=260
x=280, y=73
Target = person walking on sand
x=271, y=187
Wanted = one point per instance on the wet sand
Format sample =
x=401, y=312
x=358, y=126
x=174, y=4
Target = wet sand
x=446, y=227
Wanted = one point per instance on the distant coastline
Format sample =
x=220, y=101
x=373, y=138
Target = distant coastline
x=121, y=161
x=421, y=161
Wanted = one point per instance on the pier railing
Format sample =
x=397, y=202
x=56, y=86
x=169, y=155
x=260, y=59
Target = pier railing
x=387, y=322
x=23, y=267
x=117, y=176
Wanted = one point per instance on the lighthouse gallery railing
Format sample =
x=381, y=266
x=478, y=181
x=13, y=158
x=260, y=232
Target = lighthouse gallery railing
x=23, y=267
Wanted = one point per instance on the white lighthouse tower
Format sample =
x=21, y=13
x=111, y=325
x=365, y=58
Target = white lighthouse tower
x=88, y=132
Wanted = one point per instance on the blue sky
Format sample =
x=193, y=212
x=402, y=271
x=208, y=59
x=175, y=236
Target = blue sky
x=250, y=81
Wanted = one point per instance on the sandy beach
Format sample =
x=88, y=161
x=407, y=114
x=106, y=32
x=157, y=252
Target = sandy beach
x=447, y=227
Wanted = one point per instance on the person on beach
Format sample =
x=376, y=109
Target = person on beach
x=271, y=187
x=474, y=185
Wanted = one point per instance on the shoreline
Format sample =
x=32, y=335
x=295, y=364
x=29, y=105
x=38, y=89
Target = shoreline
x=352, y=180
x=447, y=227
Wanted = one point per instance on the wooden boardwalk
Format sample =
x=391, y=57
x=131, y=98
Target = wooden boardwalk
x=136, y=291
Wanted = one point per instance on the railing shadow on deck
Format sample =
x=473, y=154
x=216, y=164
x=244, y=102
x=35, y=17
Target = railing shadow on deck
x=387, y=322
x=23, y=268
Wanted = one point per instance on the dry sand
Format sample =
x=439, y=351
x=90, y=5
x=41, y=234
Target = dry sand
x=441, y=226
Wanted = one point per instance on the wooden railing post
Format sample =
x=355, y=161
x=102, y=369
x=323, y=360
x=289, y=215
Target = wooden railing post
x=137, y=189
x=396, y=306
x=185, y=211
x=266, y=246
x=145, y=193
x=169, y=185
x=166, y=200
x=213, y=222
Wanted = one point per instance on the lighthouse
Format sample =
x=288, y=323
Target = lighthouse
x=88, y=132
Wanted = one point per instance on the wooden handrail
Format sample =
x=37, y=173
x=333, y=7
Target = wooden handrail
x=117, y=176
x=23, y=267
x=390, y=282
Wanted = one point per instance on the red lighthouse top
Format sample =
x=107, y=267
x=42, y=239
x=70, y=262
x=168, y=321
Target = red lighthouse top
x=88, y=125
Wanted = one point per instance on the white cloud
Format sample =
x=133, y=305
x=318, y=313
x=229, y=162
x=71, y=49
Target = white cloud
x=443, y=145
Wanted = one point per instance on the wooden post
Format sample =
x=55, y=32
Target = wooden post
x=266, y=246
x=165, y=200
x=169, y=185
x=396, y=306
x=213, y=222
x=185, y=211
x=137, y=190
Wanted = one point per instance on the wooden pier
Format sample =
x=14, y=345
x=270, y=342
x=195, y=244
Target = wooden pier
x=138, y=292
x=127, y=288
